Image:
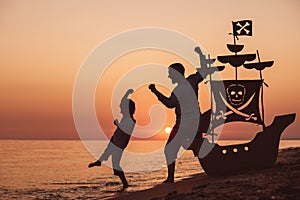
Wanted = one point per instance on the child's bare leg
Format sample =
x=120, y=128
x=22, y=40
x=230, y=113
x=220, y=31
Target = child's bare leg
x=96, y=163
x=122, y=177
x=118, y=171
x=108, y=151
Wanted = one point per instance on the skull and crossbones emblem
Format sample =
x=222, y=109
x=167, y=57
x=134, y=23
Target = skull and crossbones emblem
x=243, y=27
x=236, y=96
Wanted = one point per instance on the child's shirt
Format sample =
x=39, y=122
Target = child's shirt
x=123, y=133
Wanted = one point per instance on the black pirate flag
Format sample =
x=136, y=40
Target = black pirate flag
x=243, y=27
x=236, y=100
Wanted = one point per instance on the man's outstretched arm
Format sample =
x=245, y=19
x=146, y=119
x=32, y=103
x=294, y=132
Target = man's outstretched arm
x=169, y=102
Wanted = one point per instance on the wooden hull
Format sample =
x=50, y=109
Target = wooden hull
x=261, y=152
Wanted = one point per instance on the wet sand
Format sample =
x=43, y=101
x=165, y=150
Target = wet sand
x=282, y=181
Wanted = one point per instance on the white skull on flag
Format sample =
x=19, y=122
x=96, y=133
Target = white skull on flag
x=236, y=94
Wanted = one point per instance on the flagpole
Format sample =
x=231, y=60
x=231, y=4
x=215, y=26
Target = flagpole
x=234, y=42
x=262, y=95
x=211, y=105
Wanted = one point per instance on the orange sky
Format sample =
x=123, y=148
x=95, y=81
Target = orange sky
x=43, y=44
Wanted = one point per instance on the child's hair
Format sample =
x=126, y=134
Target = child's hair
x=131, y=107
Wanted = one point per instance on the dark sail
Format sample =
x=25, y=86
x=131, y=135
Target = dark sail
x=236, y=100
x=259, y=65
x=235, y=47
x=236, y=60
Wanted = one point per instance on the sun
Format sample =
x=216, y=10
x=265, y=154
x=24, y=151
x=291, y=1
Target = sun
x=168, y=130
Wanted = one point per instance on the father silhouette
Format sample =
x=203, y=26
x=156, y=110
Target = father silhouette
x=184, y=98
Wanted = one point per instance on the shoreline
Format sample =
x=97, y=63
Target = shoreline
x=282, y=181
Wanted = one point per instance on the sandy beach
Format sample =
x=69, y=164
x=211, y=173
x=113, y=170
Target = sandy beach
x=34, y=170
x=282, y=181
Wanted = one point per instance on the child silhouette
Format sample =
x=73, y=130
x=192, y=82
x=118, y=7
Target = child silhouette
x=120, y=138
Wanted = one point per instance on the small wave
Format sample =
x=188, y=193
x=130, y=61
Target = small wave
x=74, y=183
x=112, y=183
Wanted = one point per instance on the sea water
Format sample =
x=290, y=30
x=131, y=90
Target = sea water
x=47, y=169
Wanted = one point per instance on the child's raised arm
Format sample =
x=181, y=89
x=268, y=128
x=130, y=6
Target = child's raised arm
x=129, y=91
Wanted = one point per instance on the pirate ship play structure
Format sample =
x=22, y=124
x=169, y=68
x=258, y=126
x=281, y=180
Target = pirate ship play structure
x=238, y=100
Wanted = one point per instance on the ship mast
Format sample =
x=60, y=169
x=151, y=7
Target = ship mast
x=262, y=94
x=211, y=128
x=260, y=66
x=240, y=28
x=205, y=64
x=234, y=42
x=244, y=28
